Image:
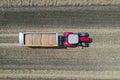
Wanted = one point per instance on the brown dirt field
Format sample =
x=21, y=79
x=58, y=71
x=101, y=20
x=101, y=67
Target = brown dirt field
x=100, y=61
x=46, y=3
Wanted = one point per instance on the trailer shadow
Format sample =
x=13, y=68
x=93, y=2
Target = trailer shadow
x=61, y=47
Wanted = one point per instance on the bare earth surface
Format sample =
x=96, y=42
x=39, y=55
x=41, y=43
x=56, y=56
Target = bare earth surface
x=47, y=3
x=100, y=61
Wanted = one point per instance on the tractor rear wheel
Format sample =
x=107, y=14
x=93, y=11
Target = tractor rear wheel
x=83, y=34
x=83, y=44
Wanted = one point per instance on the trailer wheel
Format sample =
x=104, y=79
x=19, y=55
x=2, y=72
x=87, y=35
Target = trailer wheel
x=83, y=44
x=21, y=38
x=83, y=34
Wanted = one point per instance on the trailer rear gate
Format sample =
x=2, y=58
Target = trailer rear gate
x=40, y=39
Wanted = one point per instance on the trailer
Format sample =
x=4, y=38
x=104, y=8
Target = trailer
x=53, y=39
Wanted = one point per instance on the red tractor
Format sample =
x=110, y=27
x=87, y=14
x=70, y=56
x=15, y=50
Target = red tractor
x=53, y=39
x=76, y=39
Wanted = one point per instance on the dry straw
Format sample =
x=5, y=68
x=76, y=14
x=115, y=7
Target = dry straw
x=45, y=3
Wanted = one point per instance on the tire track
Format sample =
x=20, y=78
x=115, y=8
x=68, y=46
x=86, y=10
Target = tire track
x=102, y=38
x=91, y=46
x=52, y=74
x=72, y=18
x=8, y=38
x=8, y=35
x=9, y=44
x=99, y=61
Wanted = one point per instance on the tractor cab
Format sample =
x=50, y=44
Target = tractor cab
x=73, y=39
x=76, y=39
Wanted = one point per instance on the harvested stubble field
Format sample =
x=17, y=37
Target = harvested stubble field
x=100, y=61
x=47, y=3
